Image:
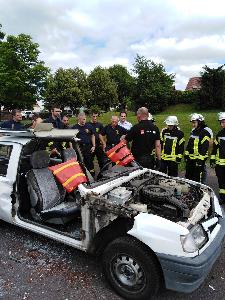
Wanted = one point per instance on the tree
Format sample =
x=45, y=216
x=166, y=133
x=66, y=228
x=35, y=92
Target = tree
x=22, y=75
x=212, y=93
x=67, y=87
x=2, y=34
x=124, y=83
x=186, y=97
x=103, y=89
x=153, y=87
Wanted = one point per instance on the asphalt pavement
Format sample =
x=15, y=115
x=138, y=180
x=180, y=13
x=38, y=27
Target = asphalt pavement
x=36, y=268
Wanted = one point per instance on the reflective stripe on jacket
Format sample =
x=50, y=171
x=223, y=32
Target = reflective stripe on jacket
x=198, y=144
x=218, y=152
x=172, y=144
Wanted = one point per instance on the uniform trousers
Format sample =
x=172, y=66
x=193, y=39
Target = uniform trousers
x=146, y=161
x=88, y=158
x=99, y=153
x=169, y=167
x=193, y=171
x=220, y=173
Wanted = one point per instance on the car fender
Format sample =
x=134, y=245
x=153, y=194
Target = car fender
x=160, y=234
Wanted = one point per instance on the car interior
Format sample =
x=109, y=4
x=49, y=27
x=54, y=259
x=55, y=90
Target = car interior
x=42, y=198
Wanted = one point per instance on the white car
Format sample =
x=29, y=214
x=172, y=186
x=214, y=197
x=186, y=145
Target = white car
x=151, y=230
x=27, y=114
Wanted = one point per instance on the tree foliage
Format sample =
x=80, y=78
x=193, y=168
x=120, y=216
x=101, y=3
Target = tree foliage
x=2, y=34
x=103, y=89
x=185, y=97
x=22, y=75
x=212, y=93
x=124, y=83
x=153, y=86
x=67, y=87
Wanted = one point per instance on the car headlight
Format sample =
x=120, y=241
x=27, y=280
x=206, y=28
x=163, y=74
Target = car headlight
x=194, y=240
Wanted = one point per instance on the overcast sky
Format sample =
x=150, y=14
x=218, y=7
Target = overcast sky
x=184, y=35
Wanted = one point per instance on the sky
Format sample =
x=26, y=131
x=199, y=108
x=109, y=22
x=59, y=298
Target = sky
x=183, y=35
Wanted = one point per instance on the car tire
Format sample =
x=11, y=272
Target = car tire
x=131, y=269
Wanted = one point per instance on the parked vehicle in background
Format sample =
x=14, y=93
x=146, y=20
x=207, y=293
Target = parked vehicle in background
x=27, y=114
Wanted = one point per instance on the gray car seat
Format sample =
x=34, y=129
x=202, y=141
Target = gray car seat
x=68, y=154
x=46, y=196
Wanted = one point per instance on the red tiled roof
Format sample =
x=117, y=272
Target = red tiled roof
x=194, y=83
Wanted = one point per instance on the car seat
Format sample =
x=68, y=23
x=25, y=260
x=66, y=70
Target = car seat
x=48, y=197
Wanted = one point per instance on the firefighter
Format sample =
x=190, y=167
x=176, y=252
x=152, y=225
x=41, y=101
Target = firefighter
x=87, y=141
x=196, y=151
x=172, y=145
x=97, y=128
x=113, y=133
x=145, y=137
x=218, y=157
x=54, y=117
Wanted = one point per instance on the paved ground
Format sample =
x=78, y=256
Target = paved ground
x=33, y=267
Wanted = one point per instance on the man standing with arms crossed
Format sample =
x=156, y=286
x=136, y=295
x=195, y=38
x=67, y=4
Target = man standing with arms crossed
x=145, y=137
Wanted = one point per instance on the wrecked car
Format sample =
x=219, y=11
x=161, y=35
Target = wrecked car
x=150, y=229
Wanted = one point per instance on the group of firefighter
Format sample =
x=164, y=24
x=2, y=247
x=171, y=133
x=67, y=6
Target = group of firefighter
x=197, y=150
x=163, y=151
x=150, y=148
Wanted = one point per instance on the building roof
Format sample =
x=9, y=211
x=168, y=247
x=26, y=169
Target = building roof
x=194, y=83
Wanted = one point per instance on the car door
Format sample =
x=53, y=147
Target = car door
x=9, y=157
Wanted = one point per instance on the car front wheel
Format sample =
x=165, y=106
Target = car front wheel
x=131, y=269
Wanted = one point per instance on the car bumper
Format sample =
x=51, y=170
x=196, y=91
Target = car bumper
x=186, y=274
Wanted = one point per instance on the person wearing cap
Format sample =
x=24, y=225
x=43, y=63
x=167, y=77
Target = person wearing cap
x=123, y=122
x=196, y=152
x=172, y=146
x=145, y=137
x=217, y=158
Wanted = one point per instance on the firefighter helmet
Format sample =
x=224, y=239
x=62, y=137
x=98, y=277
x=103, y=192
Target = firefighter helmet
x=171, y=120
x=197, y=117
x=151, y=118
x=221, y=116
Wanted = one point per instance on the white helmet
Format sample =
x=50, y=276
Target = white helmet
x=171, y=120
x=221, y=116
x=196, y=117
x=150, y=117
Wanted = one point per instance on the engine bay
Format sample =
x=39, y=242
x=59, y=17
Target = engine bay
x=170, y=198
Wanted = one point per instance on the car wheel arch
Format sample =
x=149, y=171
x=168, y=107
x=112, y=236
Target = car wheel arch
x=117, y=228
